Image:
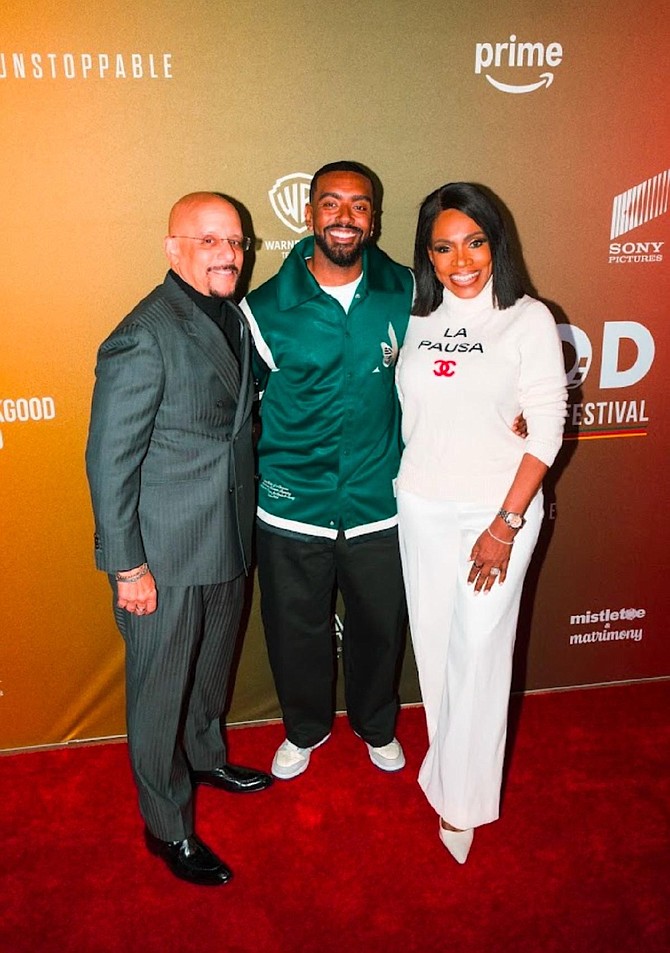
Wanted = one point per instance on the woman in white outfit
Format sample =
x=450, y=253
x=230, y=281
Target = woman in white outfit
x=478, y=351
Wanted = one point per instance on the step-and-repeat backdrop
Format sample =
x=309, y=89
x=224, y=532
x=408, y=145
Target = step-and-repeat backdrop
x=109, y=112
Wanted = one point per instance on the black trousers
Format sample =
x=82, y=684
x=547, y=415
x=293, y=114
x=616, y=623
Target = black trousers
x=297, y=578
x=177, y=665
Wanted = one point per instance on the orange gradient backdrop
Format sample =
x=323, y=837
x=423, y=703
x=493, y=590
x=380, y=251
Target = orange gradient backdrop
x=109, y=113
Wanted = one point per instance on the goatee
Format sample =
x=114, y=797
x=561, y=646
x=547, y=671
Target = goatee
x=339, y=255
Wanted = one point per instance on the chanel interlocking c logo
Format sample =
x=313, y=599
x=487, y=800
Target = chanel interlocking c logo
x=444, y=368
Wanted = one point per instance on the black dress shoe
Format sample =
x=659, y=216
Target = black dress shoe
x=190, y=860
x=233, y=778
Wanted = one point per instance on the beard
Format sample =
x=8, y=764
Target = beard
x=344, y=257
x=230, y=293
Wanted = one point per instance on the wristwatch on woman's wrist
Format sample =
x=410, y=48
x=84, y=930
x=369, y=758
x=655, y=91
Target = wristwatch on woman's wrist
x=513, y=520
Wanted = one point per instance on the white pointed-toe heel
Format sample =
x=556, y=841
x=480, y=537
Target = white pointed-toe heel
x=458, y=843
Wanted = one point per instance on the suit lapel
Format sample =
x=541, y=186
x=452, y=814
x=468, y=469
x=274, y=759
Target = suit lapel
x=212, y=342
x=244, y=394
x=207, y=337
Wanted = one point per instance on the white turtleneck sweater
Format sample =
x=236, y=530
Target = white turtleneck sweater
x=464, y=373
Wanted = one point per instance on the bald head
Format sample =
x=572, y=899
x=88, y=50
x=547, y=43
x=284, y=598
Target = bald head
x=197, y=223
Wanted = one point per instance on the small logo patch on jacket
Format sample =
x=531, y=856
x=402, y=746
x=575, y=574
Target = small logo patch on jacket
x=390, y=351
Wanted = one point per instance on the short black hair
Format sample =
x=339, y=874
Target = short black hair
x=479, y=204
x=345, y=165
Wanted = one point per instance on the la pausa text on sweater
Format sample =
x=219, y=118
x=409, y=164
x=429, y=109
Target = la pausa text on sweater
x=451, y=345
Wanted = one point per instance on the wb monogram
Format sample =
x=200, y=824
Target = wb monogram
x=288, y=197
x=444, y=368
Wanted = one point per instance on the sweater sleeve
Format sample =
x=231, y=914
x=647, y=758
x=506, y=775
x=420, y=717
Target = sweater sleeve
x=542, y=390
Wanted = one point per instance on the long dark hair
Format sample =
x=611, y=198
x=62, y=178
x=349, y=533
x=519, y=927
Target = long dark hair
x=478, y=205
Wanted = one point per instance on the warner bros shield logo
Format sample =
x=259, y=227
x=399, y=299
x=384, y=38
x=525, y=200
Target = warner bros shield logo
x=288, y=197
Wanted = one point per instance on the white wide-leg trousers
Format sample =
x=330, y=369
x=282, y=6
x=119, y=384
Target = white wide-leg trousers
x=463, y=644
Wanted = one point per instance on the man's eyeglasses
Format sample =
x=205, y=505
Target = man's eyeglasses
x=211, y=241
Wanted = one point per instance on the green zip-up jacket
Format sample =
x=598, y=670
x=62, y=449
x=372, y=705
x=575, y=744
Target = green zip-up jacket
x=330, y=444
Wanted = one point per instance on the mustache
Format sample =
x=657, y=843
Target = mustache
x=233, y=269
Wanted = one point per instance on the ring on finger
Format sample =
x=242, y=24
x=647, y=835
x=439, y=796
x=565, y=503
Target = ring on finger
x=494, y=571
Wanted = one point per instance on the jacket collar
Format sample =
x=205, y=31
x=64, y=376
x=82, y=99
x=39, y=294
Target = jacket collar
x=297, y=284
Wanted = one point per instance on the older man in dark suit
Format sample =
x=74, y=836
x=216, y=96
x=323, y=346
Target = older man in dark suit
x=170, y=466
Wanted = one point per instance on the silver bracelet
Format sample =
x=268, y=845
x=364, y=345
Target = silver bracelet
x=135, y=577
x=498, y=540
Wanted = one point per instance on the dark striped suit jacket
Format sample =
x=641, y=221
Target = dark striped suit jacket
x=169, y=456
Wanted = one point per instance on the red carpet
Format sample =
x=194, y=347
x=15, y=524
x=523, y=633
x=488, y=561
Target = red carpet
x=347, y=859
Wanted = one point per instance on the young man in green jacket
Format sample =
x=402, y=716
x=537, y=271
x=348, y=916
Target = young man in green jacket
x=327, y=329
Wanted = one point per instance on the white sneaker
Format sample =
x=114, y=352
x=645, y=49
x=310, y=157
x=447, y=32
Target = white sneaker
x=389, y=757
x=290, y=760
